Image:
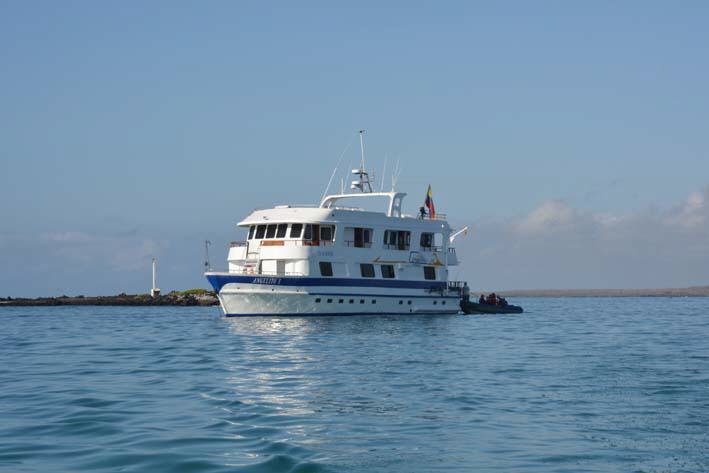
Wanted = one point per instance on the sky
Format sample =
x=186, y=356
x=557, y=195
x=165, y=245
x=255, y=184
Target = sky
x=571, y=136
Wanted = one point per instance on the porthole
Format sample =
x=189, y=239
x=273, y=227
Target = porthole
x=435, y=302
x=317, y=300
x=374, y=301
x=444, y=302
x=341, y=301
x=401, y=302
x=330, y=300
x=351, y=301
x=409, y=302
x=361, y=301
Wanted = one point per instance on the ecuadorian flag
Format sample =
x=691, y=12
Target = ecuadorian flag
x=429, y=203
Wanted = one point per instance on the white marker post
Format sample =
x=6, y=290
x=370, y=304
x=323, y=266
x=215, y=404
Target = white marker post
x=154, y=292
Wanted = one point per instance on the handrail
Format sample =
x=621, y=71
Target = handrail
x=398, y=247
x=358, y=244
x=435, y=249
x=277, y=242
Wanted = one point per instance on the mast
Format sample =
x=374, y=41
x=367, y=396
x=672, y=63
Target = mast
x=361, y=148
x=362, y=183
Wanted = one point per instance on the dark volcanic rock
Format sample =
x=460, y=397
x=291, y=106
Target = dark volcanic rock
x=172, y=299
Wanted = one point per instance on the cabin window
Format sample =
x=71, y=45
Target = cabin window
x=296, y=230
x=252, y=229
x=327, y=232
x=271, y=231
x=388, y=271
x=325, y=268
x=429, y=272
x=426, y=241
x=312, y=232
x=260, y=231
x=362, y=237
x=397, y=240
x=367, y=270
x=281, y=231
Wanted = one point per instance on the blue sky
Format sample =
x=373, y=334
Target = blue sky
x=132, y=129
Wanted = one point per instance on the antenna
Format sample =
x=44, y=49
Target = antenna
x=384, y=171
x=361, y=147
x=334, y=171
x=395, y=175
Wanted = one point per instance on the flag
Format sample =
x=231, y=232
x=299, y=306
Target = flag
x=429, y=203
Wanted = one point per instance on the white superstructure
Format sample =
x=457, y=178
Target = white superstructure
x=336, y=260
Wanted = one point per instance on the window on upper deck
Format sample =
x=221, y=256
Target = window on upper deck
x=325, y=268
x=260, y=231
x=312, y=232
x=429, y=272
x=281, y=231
x=388, y=271
x=296, y=230
x=367, y=270
x=271, y=230
x=252, y=229
x=426, y=241
x=362, y=237
x=327, y=232
x=397, y=239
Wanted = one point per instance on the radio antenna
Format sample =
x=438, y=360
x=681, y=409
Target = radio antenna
x=384, y=171
x=334, y=171
x=361, y=147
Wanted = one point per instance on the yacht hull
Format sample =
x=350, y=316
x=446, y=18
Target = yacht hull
x=241, y=296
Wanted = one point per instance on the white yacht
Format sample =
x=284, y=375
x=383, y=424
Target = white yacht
x=337, y=260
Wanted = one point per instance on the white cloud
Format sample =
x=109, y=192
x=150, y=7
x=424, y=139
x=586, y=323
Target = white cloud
x=550, y=216
x=558, y=246
x=691, y=213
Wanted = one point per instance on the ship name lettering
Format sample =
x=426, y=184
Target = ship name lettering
x=267, y=281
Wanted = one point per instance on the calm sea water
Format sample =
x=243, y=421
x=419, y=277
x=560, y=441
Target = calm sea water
x=572, y=385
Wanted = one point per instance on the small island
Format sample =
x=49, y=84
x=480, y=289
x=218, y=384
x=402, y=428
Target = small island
x=190, y=297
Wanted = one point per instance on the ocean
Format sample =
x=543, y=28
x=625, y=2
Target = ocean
x=571, y=385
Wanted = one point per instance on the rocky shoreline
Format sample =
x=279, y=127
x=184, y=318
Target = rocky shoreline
x=187, y=298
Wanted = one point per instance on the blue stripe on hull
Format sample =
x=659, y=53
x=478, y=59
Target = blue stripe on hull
x=400, y=296
x=218, y=281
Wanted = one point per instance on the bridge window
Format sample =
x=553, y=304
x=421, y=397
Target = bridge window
x=388, y=271
x=296, y=230
x=260, y=231
x=327, y=232
x=252, y=229
x=281, y=231
x=397, y=240
x=367, y=270
x=325, y=268
x=271, y=231
x=426, y=241
x=312, y=233
x=429, y=272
